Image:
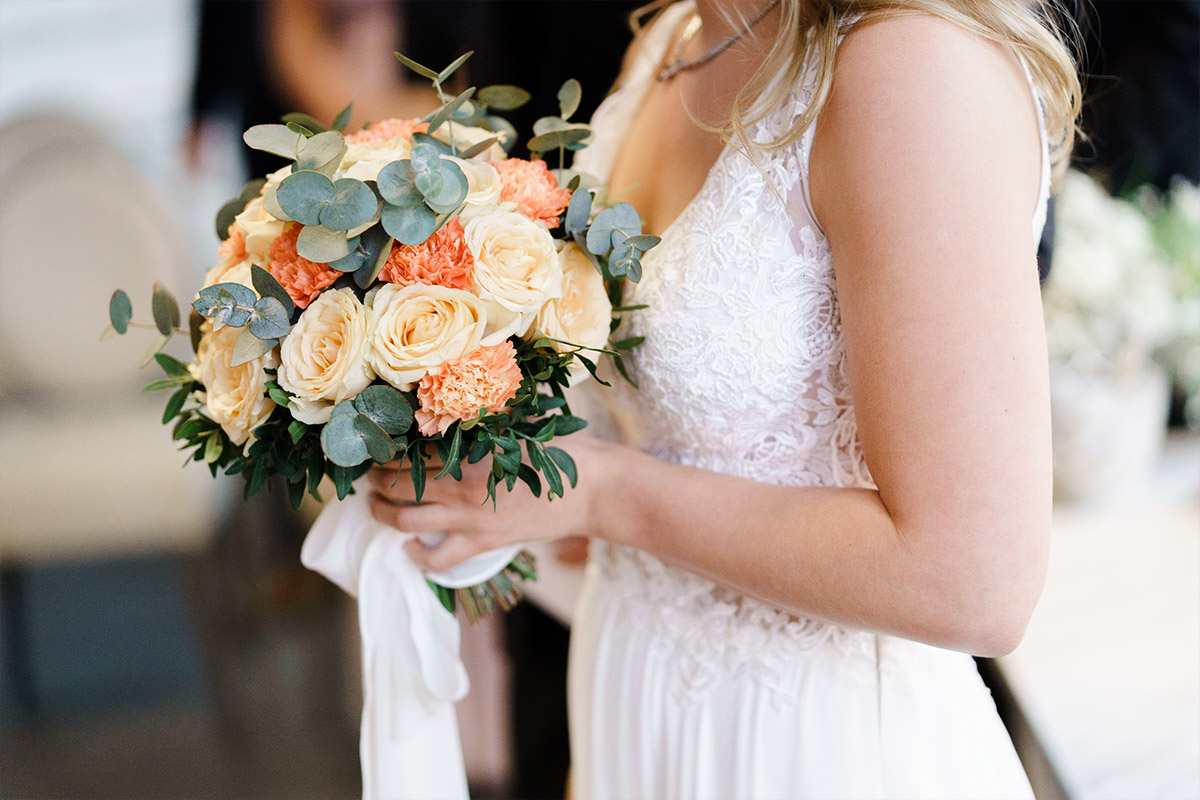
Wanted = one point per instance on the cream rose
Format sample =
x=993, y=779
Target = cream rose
x=466, y=137
x=260, y=229
x=363, y=160
x=583, y=314
x=516, y=271
x=323, y=361
x=418, y=328
x=483, y=187
x=236, y=397
x=226, y=273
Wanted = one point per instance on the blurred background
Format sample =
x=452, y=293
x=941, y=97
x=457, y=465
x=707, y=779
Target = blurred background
x=158, y=636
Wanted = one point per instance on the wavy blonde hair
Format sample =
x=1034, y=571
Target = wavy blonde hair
x=1038, y=32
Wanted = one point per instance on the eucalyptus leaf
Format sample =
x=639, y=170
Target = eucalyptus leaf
x=304, y=195
x=322, y=149
x=397, y=185
x=320, y=244
x=165, y=310
x=271, y=204
x=267, y=286
x=236, y=294
x=425, y=157
x=430, y=183
x=205, y=306
x=446, y=111
x=479, y=147
x=195, y=330
x=372, y=222
x=305, y=121
x=504, y=97
x=568, y=98
x=344, y=407
x=343, y=443
x=578, y=211
x=277, y=139
x=369, y=271
x=502, y=128
x=410, y=226
x=380, y=446
x=556, y=139
x=437, y=144
x=454, y=65
x=353, y=204
x=249, y=347
x=343, y=118
x=120, y=311
x=420, y=69
x=387, y=407
x=269, y=320
x=296, y=127
x=226, y=216
x=349, y=263
x=453, y=189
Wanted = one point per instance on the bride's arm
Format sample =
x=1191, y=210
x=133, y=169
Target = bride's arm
x=925, y=175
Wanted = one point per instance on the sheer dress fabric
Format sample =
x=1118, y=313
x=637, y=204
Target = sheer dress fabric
x=683, y=689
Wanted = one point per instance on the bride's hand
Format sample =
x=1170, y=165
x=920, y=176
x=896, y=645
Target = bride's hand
x=461, y=509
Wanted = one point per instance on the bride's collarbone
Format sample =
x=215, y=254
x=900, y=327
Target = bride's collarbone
x=663, y=161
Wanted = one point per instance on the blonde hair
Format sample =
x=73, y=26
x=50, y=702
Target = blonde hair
x=1037, y=32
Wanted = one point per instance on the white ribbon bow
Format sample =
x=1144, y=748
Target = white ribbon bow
x=412, y=673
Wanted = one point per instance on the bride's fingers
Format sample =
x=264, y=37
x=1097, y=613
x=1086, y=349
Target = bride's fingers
x=452, y=551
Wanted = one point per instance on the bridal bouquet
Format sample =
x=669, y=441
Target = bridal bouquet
x=402, y=290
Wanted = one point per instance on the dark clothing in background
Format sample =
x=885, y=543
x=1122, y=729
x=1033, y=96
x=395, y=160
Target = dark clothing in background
x=1142, y=93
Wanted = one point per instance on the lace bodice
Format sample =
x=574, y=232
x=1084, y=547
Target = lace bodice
x=742, y=371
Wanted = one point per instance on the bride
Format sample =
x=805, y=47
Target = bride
x=835, y=476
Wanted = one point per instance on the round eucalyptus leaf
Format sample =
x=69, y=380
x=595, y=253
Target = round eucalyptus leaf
x=344, y=407
x=549, y=124
x=556, y=139
x=342, y=442
x=230, y=294
x=120, y=311
x=322, y=245
x=397, y=186
x=165, y=310
x=380, y=446
x=454, y=189
x=410, y=226
x=271, y=204
x=226, y=216
x=599, y=236
x=304, y=195
x=503, y=97
x=204, y=306
x=319, y=150
x=627, y=219
x=430, y=183
x=568, y=98
x=350, y=263
x=277, y=139
x=371, y=223
x=578, y=211
x=353, y=203
x=269, y=319
x=249, y=347
x=425, y=157
x=387, y=407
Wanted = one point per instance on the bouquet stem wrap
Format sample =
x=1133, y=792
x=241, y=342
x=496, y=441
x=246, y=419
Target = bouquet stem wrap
x=412, y=673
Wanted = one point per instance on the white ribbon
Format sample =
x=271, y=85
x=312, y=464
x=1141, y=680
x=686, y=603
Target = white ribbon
x=412, y=673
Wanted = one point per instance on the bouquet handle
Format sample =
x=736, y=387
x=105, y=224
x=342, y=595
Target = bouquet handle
x=412, y=673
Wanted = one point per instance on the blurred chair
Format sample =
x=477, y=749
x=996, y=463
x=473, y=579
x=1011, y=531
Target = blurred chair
x=86, y=471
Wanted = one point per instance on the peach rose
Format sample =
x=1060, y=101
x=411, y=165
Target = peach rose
x=416, y=329
x=303, y=279
x=235, y=397
x=370, y=150
x=485, y=378
x=534, y=189
x=516, y=270
x=483, y=187
x=583, y=314
x=441, y=260
x=259, y=230
x=323, y=361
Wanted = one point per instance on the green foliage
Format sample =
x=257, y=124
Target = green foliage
x=165, y=310
x=568, y=98
x=120, y=311
x=232, y=208
x=503, y=97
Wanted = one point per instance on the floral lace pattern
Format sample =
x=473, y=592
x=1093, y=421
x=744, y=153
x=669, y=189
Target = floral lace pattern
x=742, y=372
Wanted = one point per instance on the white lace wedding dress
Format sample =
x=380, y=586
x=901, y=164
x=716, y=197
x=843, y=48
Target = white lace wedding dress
x=678, y=687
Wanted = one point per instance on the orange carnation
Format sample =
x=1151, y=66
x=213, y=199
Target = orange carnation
x=388, y=129
x=233, y=249
x=533, y=188
x=441, y=260
x=303, y=279
x=484, y=378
